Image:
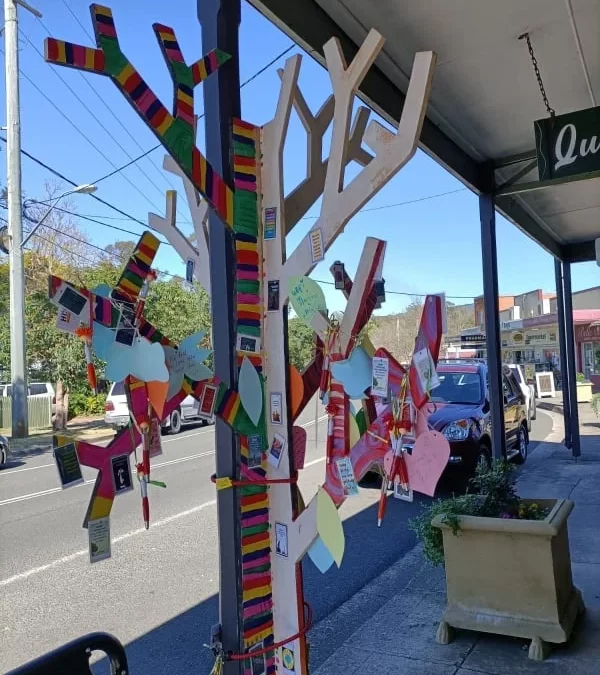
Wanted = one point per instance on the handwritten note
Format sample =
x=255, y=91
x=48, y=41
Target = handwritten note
x=306, y=297
x=346, y=472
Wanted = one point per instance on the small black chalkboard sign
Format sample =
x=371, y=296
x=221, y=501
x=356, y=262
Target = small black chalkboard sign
x=67, y=463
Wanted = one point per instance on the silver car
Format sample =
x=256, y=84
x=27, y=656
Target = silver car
x=3, y=451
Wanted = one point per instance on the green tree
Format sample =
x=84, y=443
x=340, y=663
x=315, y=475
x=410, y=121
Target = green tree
x=301, y=340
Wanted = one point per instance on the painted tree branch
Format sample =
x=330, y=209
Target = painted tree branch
x=174, y=130
x=304, y=195
x=391, y=151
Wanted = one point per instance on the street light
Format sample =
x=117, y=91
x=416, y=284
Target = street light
x=85, y=189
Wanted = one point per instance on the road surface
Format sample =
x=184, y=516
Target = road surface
x=157, y=593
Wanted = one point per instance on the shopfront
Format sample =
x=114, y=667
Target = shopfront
x=587, y=339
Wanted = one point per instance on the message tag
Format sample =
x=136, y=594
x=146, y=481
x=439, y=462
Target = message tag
x=121, y=471
x=404, y=493
x=125, y=333
x=317, y=252
x=189, y=270
x=248, y=343
x=381, y=370
x=281, y=539
x=255, y=454
x=276, y=450
x=67, y=463
x=273, y=295
x=71, y=299
x=155, y=438
x=338, y=275
x=270, y=223
x=99, y=539
x=425, y=367
x=347, y=478
x=68, y=321
x=276, y=408
x=306, y=297
x=258, y=664
x=207, y=402
x=427, y=461
x=287, y=660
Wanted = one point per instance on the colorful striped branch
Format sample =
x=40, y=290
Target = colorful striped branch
x=174, y=130
x=137, y=269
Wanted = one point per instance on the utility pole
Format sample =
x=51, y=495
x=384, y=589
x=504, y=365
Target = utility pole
x=18, y=358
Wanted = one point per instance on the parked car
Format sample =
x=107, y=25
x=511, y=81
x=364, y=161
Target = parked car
x=33, y=389
x=462, y=414
x=528, y=391
x=116, y=411
x=3, y=451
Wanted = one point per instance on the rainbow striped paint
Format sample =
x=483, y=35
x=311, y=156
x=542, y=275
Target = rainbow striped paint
x=174, y=130
x=257, y=601
x=137, y=269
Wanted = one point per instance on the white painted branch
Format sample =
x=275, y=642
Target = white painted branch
x=392, y=150
x=199, y=212
x=303, y=532
x=167, y=226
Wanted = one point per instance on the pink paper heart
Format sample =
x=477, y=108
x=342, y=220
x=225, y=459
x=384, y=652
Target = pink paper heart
x=427, y=462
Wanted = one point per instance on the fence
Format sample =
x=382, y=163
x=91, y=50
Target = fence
x=39, y=408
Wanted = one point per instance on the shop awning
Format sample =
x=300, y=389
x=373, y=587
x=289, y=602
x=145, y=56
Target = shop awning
x=485, y=95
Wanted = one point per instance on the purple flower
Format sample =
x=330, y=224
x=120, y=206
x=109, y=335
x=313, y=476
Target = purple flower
x=506, y=515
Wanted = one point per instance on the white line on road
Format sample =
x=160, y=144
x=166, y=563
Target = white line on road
x=43, y=493
x=85, y=551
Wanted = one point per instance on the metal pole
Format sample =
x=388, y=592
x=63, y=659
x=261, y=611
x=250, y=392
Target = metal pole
x=487, y=216
x=570, y=347
x=18, y=361
x=220, y=21
x=562, y=341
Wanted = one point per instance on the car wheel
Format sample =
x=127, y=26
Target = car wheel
x=3, y=456
x=175, y=426
x=522, y=445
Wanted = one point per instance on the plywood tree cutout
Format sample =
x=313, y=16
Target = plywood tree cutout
x=261, y=215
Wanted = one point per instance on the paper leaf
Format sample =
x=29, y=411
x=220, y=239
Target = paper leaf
x=306, y=297
x=157, y=395
x=354, y=373
x=296, y=389
x=144, y=360
x=329, y=526
x=353, y=430
x=427, y=462
x=250, y=389
x=187, y=360
x=320, y=556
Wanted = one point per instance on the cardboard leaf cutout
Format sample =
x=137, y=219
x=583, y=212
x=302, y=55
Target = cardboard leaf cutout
x=306, y=297
x=354, y=373
x=427, y=462
x=187, y=360
x=320, y=556
x=329, y=526
x=157, y=395
x=144, y=360
x=250, y=389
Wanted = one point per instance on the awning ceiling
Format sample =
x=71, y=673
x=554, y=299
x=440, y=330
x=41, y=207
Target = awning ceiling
x=485, y=96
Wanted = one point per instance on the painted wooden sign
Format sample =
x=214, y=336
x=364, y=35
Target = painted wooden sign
x=568, y=145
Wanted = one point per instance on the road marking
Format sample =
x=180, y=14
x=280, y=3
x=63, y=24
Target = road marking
x=122, y=537
x=178, y=460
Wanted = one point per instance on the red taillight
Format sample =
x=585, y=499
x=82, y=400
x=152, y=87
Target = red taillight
x=109, y=406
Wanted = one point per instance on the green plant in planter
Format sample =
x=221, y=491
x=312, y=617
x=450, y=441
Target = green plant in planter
x=580, y=377
x=596, y=404
x=493, y=496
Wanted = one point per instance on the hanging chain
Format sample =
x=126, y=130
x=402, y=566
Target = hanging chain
x=538, y=75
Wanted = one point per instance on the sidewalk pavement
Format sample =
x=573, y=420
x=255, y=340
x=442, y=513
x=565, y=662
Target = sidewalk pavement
x=91, y=429
x=395, y=633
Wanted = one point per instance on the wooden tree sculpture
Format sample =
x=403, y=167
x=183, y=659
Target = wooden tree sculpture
x=260, y=215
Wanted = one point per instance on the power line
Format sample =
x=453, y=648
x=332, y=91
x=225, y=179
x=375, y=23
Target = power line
x=110, y=110
x=242, y=85
x=411, y=295
x=77, y=128
x=392, y=206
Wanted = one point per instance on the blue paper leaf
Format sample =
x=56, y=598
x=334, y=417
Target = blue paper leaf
x=144, y=360
x=320, y=556
x=355, y=373
x=250, y=390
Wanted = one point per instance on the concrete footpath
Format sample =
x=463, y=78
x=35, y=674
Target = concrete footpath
x=390, y=625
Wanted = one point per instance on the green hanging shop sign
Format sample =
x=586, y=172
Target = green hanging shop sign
x=568, y=145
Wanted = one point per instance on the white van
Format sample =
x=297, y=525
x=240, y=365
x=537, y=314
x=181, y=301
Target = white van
x=116, y=411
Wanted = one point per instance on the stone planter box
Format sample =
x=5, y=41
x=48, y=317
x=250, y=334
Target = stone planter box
x=511, y=577
x=584, y=392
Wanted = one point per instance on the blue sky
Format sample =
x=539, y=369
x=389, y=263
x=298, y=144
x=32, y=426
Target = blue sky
x=433, y=244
